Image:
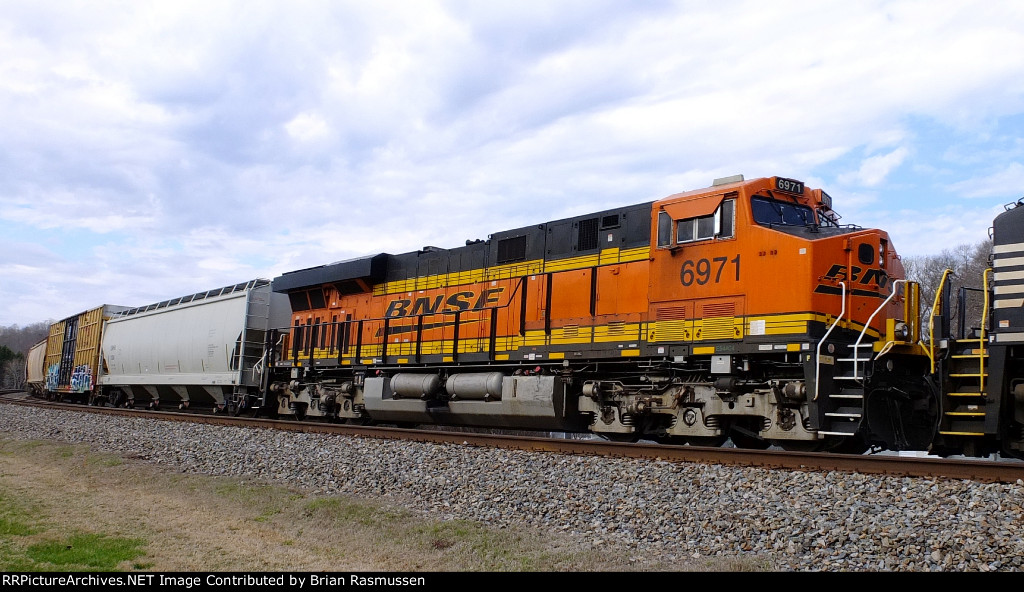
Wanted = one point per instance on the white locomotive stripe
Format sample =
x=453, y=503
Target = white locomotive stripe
x=1009, y=302
x=1010, y=275
x=1008, y=248
x=1015, y=289
x=1009, y=337
x=1007, y=262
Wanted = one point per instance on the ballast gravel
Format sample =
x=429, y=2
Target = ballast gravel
x=798, y=521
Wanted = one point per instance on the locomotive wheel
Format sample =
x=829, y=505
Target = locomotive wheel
x=849, y=445
x=742, y=440
x=706, y=441
x=627, y=438
x=300, y=412
x=799, y=445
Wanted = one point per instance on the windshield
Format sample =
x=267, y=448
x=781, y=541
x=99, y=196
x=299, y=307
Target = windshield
x=771, y=212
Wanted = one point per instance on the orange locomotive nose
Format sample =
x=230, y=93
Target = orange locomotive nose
x=768, y=251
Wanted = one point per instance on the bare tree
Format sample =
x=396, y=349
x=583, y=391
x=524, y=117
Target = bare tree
x=13, y=374
x=968, y=264
x=15, y=342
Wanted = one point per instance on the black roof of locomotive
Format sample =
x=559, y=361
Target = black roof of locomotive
x=628, y=225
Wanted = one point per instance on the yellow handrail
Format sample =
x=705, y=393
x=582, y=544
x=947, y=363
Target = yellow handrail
x=931, y=319
x=981, y=338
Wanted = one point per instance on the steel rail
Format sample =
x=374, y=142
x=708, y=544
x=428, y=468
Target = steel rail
x=1004, y=471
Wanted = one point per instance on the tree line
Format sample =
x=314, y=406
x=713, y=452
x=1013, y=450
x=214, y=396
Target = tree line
x=15, y=342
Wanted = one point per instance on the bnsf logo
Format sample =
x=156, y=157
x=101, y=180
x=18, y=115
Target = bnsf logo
x=878, y=276
x=433, y=304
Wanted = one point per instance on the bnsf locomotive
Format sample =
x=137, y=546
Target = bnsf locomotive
x=743, y=311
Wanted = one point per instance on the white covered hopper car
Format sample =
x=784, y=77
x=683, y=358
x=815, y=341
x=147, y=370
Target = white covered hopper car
x=204, y=348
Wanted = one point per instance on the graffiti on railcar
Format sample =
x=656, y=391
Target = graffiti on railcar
x=81, y=379
x=53, y=377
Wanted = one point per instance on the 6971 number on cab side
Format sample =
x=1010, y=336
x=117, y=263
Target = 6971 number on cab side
x=714, y=270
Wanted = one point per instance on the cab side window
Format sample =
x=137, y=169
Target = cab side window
x=720, y=224
x=664, y=229
x=694, y=229
x=726, y=218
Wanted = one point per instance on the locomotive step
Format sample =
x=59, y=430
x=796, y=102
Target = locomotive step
x=967, y=427
x=853, y=412
x=964, y=414
x=966, y=394
x=973, y=375
x=840, y=429
x=967, y=361
x=846, y=396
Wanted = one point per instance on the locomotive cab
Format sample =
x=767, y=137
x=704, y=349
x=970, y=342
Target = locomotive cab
x=749, y=281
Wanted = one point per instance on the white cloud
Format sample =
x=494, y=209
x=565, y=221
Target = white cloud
x=874, y=169
x=163, y=146
x=918, y=234
x=1005, y=183
x=307, y=127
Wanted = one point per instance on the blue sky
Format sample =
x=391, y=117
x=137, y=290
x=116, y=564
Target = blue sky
x=155, y=149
